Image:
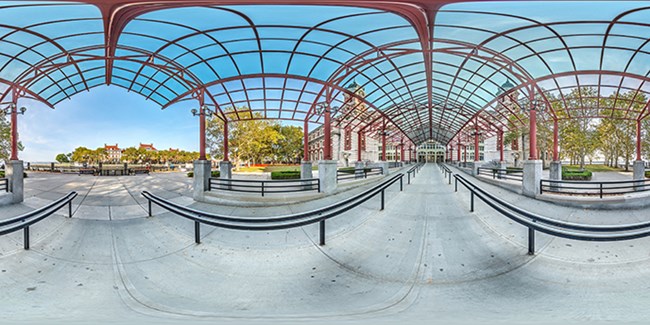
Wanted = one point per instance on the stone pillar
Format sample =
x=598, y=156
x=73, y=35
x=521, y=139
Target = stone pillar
x=358, y=169
x=15, y=174
x=327, y=175
x=474, y=165
x=384, y=167
x=201, y=178
x=639, y=172
x=306, y=170
x=225, y=171
x=531, y=178
x=555, y=173
x=503, y=167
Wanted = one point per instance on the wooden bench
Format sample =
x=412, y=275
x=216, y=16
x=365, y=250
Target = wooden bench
x=89, y=171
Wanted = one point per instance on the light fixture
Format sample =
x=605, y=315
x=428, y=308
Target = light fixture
x=204, y=110
x=12, y=108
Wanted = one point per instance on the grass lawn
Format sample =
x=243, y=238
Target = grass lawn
x=596, y=168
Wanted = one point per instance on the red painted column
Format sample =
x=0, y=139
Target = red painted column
x=401, y=157
x=396, y=152
x=638, y=139
x=533, y=129
x=327, y=150
x=458, y=151
x=476, y=153
x=383, y=142
x=225, y=140
x=359, y=146
x=500, y=143
x=305, y=140
x=14, y=130
x=464, y=153
x=410, y=153
x=556, y=145
x=202, y=132
x=451, y=153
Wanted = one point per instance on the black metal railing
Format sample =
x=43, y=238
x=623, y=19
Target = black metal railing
x=351, y=174
x=264, y=186
x=24, y=221
x=412, y=171
x=535, y=222
x=4, y=184
x=589, y=188
x=273, y=223
x=497, y=173
x=394, y=164
x=444, y=169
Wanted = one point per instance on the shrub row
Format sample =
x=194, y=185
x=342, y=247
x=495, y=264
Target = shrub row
x=576, y=175
x=291, y=174
x=2, y=174
x=214, y=173
x=647, y=174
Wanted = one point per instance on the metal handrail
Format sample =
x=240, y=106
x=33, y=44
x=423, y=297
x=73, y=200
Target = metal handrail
x=264, y=186
x=4, y=184
x=599, y=188
x=358, y=173
x=536, y=222
x=498, y=173
x=25, y=220
x=273, y=223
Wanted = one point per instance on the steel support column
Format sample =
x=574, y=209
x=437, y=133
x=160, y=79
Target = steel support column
x=383, y=140
x=533, y=129
x=305, y=140
x=500, y=143
x=14, y=130
x=359, y=146
x=225, y=140
x=476, y=135
x=556, y=144
x=327, y=128
x=638, y=139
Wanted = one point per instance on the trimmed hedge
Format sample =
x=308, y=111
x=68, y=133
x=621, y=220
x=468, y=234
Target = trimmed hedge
x=214, y=173
x=647, y=174
x=576, y=175
x=2, y=174
x=285, y=175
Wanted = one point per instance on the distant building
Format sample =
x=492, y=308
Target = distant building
x=344, y=139
x=147, y=147
x=113, y=153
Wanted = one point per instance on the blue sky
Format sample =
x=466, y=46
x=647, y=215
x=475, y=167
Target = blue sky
x=104, y=115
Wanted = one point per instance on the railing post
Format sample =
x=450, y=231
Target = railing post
x=150, y=208
x=382, y=200
x=401, y=183
x=197, y=232
x=471, y=201
x=531, y=241
x=541, y=187
x=318, y=184
x=455, y=184
x=209, y=184
x=262, y=188
x=601, y=190
x=449, y=177
x=26, y=237
x=409, y=178
x=322, y=232
x=70, y=209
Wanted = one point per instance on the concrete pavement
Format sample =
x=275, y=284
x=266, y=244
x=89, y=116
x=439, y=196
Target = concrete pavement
x=424, y=259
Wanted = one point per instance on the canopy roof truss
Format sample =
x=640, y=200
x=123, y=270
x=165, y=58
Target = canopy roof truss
x=430, y=69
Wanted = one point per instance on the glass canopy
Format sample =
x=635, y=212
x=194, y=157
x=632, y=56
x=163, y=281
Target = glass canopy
x=429, y=69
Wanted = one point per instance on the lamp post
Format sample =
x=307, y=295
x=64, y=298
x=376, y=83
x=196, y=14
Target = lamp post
x=12, y=110
x=201, y=113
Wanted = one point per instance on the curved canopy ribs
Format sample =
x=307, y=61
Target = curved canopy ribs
x=432, y=69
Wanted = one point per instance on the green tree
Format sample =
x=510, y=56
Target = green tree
x=63, y=158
